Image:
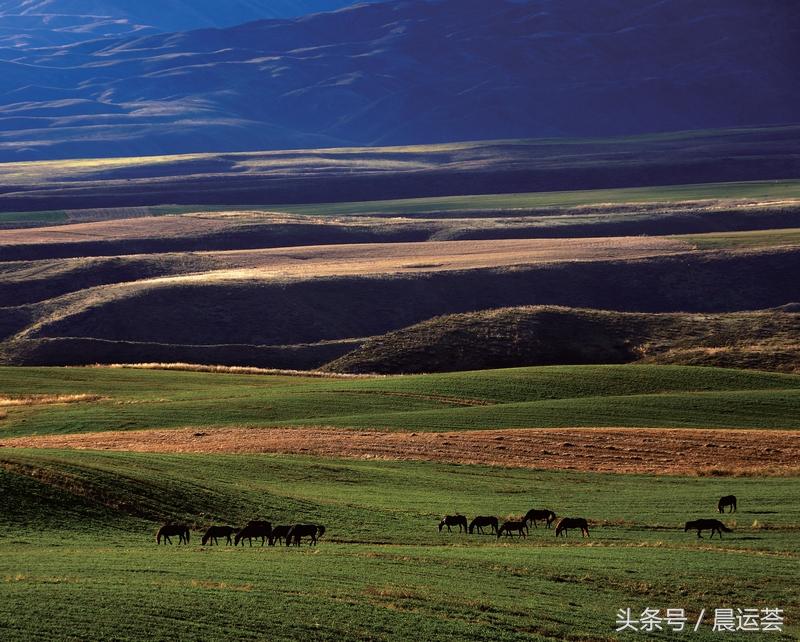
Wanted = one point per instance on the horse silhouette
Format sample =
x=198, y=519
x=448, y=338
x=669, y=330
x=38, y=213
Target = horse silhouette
x=545, y=515
x=728, y=500
x=219, y=531
x=170, y=530
x=299, y=531
x=280, y=532
x=254, y=530
x=512, y=526
x=453, y=520
x=707, y=524
x=481, y=521
x=565, y=523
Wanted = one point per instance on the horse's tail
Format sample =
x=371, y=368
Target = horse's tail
x=187, y=533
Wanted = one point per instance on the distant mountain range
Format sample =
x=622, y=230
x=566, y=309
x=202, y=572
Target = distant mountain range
x=405, y=72
x=166, y=15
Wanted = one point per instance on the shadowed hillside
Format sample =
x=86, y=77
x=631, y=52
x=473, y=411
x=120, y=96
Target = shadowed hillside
x=529, y=336
x=294, y=312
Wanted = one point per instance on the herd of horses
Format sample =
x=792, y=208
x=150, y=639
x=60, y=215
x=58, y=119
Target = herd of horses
x=512, y=526
x=294, y=534
x=254, y=530
x=563, y=525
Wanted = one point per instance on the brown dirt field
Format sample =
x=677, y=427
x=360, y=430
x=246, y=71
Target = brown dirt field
x=130, y=228
x=431, y=256
x=613, y=450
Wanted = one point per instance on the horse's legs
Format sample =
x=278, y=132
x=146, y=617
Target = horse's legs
x=698, y=533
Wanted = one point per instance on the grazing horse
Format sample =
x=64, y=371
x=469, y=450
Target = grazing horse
x=299, y=531
x=170, y=530
x=545, y=515
x=513, y=526
x=453, y=520
x=219, y=531
x=565, y=523
x=481, y=521
x=254, y=530
x=707, y=524
x=279, y=533
x=728, y=500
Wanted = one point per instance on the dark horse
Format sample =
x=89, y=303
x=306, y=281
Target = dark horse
x=254, y=530
x=545, y=515
x=509, y=527
x=299, y=531
x=453, y=520
x=170, y=530
x=280, y=532
x=714, y=525
x=219, y=531
x=481, y=521
x=565, y=523
x=728, y=500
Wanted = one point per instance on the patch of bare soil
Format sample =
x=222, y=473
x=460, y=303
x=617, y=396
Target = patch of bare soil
x=613, y=450
x=429, y=256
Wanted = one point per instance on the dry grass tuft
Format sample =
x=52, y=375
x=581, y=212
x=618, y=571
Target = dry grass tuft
x=240, y=370
x=41, y=400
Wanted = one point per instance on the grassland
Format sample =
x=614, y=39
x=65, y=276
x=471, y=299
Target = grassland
x=739, y=240
x=78, y=549
x=751, y=190
x=447, y=229
x=638, y=396
x=319, y=176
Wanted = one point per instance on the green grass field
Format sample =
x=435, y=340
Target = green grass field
x=642, y=396
x=77, y=550
x=758, y=190
x=743, y=240
x=763, y=190
x=43, y=218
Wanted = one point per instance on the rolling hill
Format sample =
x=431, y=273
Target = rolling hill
x=512, y=337
x=762, y=161
x=415, y=72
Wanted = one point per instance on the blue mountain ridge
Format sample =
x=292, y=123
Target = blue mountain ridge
x=167, y=15
x=407, y=72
